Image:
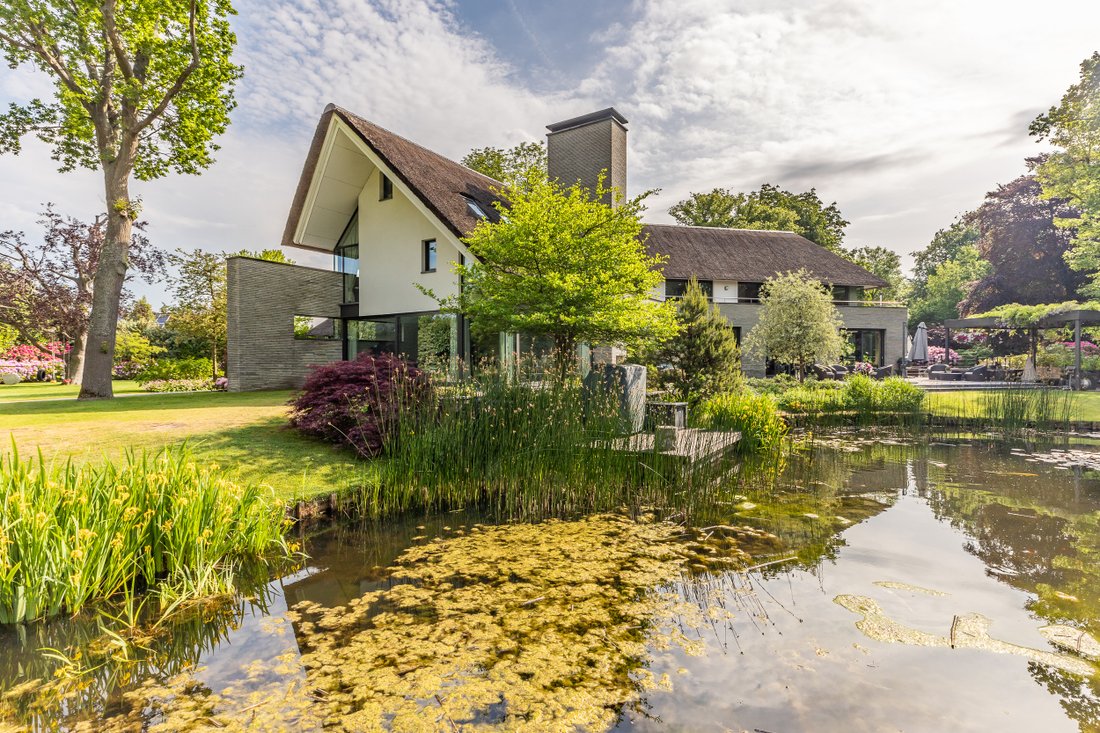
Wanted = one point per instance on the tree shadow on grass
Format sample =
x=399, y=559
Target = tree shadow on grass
x=152, y=402
x=271, y=452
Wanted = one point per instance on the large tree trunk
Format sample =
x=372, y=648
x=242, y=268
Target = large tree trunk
x=109, y=278
x=75, y=360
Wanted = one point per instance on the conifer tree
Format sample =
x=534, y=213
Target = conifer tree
x=704, y=352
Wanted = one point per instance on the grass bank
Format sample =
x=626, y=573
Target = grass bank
x=1086, y=405
x=56, y=391
x=245, y=433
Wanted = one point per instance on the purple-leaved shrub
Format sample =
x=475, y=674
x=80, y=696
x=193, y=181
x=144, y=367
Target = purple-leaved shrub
x=356, y=403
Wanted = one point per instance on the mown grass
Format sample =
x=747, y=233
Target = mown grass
x=1086, y=405
x=55, y=390
x=245, y=433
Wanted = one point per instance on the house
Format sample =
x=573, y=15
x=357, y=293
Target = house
x=392, y=214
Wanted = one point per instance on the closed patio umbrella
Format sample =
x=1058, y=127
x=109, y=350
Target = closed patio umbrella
x=918, y=351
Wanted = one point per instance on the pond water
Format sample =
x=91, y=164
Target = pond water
x=874, y=587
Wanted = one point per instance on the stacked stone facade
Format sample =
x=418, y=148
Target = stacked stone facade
x=263, y=298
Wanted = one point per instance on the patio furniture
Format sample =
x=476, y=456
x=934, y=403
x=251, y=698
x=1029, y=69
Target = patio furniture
x=840, y=370
x=976, y=374
x=822, y=372
x=883, y=372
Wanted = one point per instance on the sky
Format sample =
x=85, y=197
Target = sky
x=905, y=113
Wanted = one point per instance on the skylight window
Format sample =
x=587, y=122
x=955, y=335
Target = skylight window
x=475, y=209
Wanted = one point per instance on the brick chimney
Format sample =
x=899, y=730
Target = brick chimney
x=578, y=149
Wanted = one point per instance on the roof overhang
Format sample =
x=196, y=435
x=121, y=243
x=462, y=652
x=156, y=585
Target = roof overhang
x=337, y=167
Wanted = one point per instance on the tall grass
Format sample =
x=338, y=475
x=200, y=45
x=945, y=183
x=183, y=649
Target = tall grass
x=1011, y=411
x=754, y=416
x=70, y=534
x=522, y=449
x=858, y=399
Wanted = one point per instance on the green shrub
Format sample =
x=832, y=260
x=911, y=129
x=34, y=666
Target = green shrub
x=859, y=393
x=810, y=400
x=898, y=395
x=781, y=383
x=72, y=534
x=756, y=416
x=180, y=385
x=198, y=368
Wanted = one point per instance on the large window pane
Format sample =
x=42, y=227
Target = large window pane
x=347, y=259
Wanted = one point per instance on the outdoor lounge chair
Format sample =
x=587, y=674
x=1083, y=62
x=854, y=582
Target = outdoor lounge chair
x=822, y=372
x=840, y=371
x=976, y=374
x=883, y=372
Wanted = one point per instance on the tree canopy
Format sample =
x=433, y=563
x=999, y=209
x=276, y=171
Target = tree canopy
x=509, y=165
x=945, y=246
x=140, y=89
x=886, y=264
x=563, y=265
x=798, y=322
x=947, y=286
x=1025, y=249
x=47, y=286
x=1072, y=172
x=771, y=208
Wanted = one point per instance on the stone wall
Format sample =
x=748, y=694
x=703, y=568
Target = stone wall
x=580, y=153
x=891, y=319
x=263, y=298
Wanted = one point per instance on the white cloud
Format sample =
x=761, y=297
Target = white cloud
x=904, y=113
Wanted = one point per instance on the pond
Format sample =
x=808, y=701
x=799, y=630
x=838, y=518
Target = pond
x=875, y=586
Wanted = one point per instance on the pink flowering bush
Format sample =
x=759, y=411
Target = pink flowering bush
x=863, y=367
x=936, y=355
x=26, y=361
x=26, y=352
x=179, y=385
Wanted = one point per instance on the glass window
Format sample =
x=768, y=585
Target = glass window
x=385, y=192
x=677, y=288
x=316, y=328
x=429, y=255
x=475, y=208
x=371, y=336
x=748, y=292
x=867, y=345
x=347, y=259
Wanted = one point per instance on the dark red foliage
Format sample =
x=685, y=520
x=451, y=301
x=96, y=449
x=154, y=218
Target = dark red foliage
x=356, y=403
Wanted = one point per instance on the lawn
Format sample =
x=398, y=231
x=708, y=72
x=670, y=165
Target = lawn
x=966, y=403
x=56, y=390
x=244, y=433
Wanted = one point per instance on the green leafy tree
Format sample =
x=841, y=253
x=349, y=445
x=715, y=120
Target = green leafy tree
x=271, y=255
x=945, y=246
x=885, y=264
x=798, y=323
x=563, y=265
x=200, y=309
x=1072, y=171
x=511, y=165
x=769, y=208
x=140, y=89
x=704, y=352
x=948, y=286
x=142, y=312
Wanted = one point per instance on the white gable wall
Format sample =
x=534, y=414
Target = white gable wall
x=391, y=234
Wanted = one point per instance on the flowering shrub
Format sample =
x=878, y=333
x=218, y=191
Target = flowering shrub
x=127, y=369
x=221, y=383
x=936, y=354
x=356, y=403
x=969, y=338
x=179, y=385
x=863, y=367
x=26, y=352
x=28, y=370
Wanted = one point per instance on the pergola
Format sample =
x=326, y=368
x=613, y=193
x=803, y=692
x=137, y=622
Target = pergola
x=1076, y=318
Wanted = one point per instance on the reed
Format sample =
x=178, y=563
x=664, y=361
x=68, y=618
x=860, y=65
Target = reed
x=1012, y=411
x=71, y=534
x=523, y=449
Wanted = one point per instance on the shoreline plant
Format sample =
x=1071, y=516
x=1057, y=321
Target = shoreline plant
x=70, y=534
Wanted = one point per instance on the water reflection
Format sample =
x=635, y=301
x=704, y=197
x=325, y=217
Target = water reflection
x=445, y=624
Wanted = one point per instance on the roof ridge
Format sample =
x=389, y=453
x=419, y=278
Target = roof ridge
x=349, y=113
x=724, y=229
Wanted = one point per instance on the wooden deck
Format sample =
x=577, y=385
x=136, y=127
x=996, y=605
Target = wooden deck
x=693, y=445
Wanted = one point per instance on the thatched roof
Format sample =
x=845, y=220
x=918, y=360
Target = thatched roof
x=748, y=255
x=440, y=183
